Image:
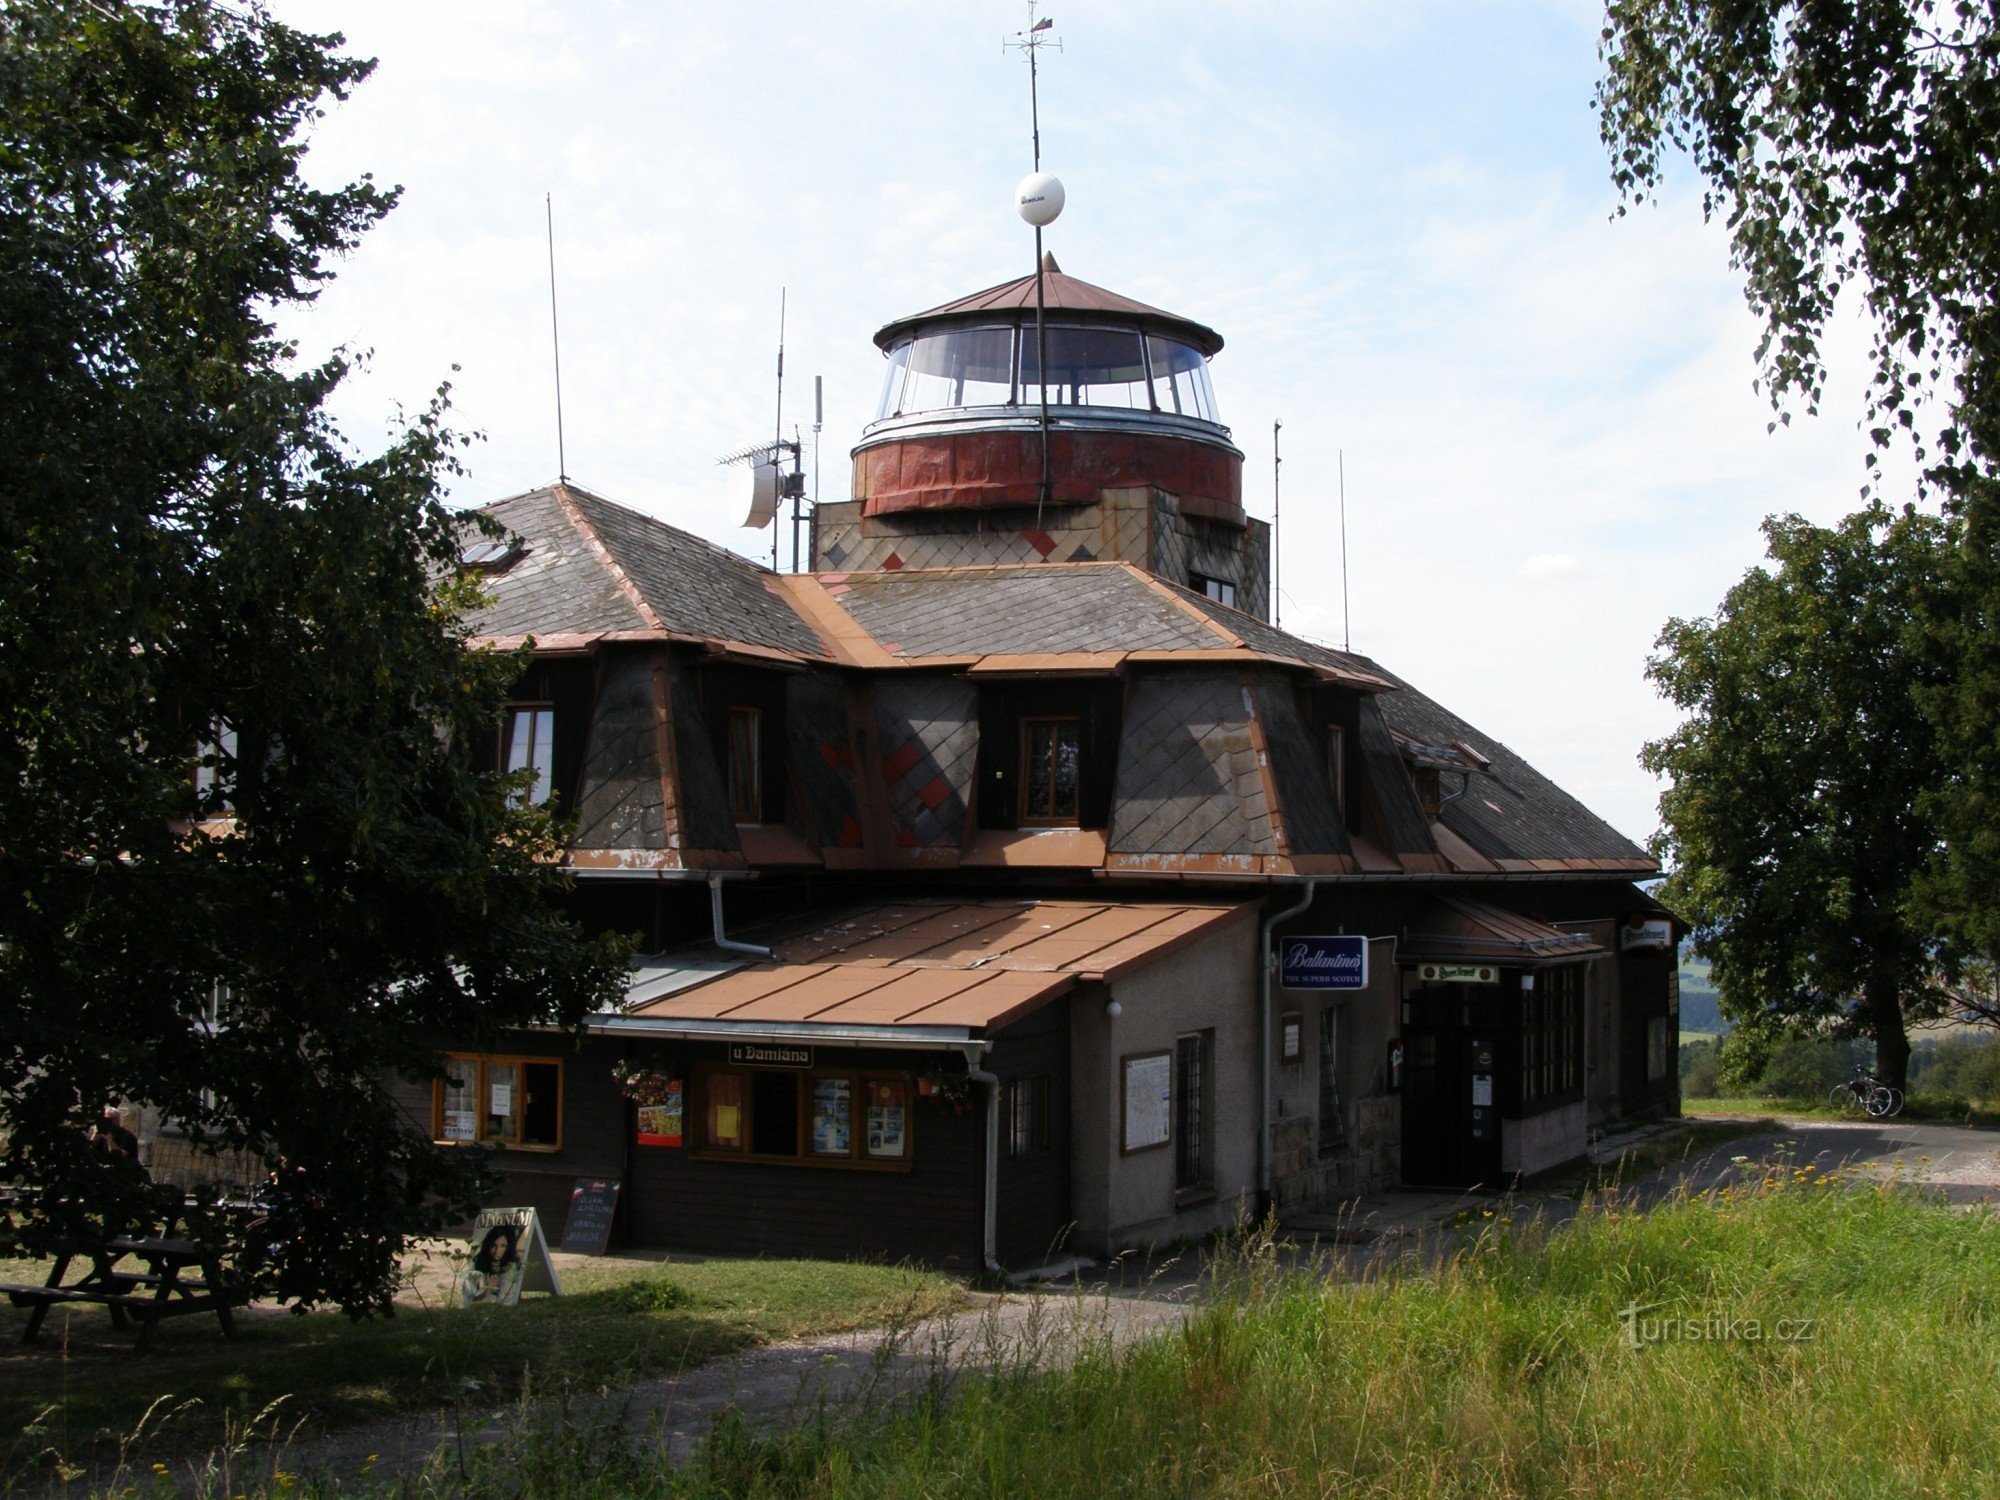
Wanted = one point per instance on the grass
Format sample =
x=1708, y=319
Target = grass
x=619, y=1322
x=1505, y=1372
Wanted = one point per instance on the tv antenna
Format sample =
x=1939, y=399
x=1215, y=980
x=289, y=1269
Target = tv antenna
x=1038, y=199
x=769, y=483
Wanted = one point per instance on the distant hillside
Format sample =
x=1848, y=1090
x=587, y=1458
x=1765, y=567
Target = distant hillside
x=1701, y=1007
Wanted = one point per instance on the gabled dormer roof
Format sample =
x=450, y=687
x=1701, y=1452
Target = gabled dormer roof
x=591, y=568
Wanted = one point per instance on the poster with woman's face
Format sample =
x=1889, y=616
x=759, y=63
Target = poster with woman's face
x=493, y=1273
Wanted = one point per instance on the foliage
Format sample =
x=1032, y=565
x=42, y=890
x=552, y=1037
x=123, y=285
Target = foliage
x=1794, y=821
x=1700, y=1070
x=194, y=566
x=1859, y=145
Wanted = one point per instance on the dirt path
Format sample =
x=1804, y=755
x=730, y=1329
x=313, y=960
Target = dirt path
x=779, y=1383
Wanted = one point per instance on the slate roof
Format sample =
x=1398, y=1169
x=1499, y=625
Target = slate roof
x=1061, y=293
x=1024, y=609
x=593, y=566
x=1510, y=812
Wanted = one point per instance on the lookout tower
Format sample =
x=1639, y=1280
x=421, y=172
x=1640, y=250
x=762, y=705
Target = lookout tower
x=1140, y=467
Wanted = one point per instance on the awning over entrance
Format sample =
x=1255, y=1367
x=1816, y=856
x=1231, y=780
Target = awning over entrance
x=1453, y=929
x=933, y=967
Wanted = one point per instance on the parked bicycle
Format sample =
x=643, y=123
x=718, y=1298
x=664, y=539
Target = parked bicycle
x=1864, y=1093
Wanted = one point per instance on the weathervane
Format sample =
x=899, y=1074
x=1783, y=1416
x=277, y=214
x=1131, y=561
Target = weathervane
x=1038, y=199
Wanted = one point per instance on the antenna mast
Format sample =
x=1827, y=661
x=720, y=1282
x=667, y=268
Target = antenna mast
x=555, y=338
x=1346, y=634
x=778, y=431
x=1031, y=42
x=812, y=531
x=1277, y=534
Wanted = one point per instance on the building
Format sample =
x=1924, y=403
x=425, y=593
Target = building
x=956, y=861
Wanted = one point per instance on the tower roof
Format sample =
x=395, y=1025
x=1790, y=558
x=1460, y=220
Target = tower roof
x=1061, y=293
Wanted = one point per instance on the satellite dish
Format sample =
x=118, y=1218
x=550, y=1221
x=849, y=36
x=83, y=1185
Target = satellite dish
x=1039, y=198
x=763, y=493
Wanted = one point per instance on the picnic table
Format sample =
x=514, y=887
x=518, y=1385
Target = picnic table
x=139, y=1280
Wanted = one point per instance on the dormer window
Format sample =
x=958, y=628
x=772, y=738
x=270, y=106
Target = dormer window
x=1221, y=590
x=1051, y=767
x=1426, y=780
x=530, y=745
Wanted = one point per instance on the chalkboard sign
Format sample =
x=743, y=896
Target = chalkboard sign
x=593, y=1203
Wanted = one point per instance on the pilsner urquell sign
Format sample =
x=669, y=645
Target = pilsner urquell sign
x=1323, y=963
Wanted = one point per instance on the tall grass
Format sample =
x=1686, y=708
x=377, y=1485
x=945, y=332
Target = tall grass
x=1503, y=1369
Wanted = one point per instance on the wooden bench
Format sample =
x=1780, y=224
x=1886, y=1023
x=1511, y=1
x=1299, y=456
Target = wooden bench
x=168, y=1295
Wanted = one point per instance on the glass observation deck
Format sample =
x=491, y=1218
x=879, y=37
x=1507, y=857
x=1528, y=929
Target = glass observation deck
x=991, y=370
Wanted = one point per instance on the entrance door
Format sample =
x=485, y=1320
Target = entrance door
x=1433, y=1093
x=1451, y=1127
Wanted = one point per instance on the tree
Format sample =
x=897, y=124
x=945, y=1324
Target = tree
x=1796, y=822
x=210, y=605
x=1859, y=145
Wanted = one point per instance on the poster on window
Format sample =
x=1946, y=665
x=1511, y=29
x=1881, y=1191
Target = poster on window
x=460, y=1125
x=887, y=1119
x=661, y=1122
x=1149, y=1098
x=505, y=1257
x=832, y=1116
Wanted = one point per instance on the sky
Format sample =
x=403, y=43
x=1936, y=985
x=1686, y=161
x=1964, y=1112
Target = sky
x=1398, y=214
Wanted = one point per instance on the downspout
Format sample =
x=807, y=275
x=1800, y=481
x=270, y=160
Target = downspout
x=990, y=1231
x=1268, y=926
x=728, y=945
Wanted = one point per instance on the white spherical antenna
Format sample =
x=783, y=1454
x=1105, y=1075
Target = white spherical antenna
x=1039, y=198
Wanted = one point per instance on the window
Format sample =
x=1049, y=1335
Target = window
x=1028, y=1116
x=1336, y=768
x=1221, y=590
x=1191, y=1111
x=215, y=770
x=746, y=775
x=1426, y=780
x=955, y=367
x=1551, y=1033
x=530, y=744
x=1656, y=1049
x=1332, y=1119
x=1180, y=379
x=499, y=1101
x=1049, y=772
x=808, y=1115
x=1087, y=367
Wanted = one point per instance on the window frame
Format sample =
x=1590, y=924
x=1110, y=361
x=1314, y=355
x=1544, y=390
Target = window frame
x=1550, y=1071
x=857, y=1158
x=543, y=792
x=733, y=789
x=1028, y=1116
x=1216, y=589
x=480, y=1062
x=1023, y=818
x=1336, y=768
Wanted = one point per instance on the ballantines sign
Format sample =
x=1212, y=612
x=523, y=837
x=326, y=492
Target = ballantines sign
x=1323, y=963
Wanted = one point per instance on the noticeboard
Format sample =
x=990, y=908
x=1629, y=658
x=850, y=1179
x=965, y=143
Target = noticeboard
x=593, y=1204
x=1149, y=1099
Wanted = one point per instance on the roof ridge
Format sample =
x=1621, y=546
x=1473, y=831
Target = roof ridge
x=1167, y=591
x=633, y=593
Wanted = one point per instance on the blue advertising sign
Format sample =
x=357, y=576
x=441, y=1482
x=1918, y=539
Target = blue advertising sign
x=1323, y=963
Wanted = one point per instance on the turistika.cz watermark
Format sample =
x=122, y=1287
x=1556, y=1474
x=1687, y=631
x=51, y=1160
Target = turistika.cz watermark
x=1643, y=1326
